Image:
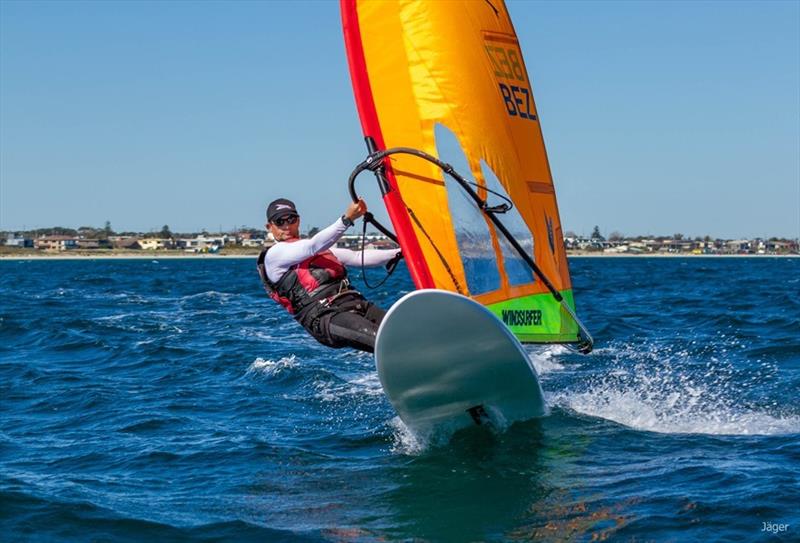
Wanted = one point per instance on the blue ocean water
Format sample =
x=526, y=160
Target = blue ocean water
x=170, y=400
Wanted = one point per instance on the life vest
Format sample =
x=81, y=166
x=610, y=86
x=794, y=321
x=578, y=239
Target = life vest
x=313, y=283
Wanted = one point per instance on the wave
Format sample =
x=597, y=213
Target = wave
x=272, y=368
x=679, y=392
x=546, y=361
x=208, y=295
x=32, y=517
x=360, y=385
x=675, y=413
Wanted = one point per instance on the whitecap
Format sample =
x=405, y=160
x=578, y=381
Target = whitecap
x=367, y=384
x=361, y=385
x=271, y=368
x=670, y=393
x=546, y=360
x=676, y=413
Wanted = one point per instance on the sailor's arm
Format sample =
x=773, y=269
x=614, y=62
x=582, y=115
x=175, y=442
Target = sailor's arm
x=372, y=257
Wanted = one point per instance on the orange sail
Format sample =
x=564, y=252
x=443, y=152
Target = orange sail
x=448, y=78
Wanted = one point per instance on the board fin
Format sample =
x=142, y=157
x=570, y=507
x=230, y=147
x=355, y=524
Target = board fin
x=479, y=415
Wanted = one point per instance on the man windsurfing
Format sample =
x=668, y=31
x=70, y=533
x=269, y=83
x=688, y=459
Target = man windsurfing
x=308, y=277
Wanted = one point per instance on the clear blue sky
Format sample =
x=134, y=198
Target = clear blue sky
x=659, y=117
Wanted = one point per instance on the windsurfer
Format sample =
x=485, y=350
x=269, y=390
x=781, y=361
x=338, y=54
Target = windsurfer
x=308, y=277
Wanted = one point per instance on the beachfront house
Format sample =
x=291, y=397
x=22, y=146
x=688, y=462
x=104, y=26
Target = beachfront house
x=671, y=245
x=56, y=243
x=780, y=247
x=93, y=243
x=201, y=244
x=128, y=243
x=638, y=247
x=616, y=248
x=253, y=242
x=371, y=241
x=19, y=242
x=155, y=244
x=737, y=246
x=577, y=242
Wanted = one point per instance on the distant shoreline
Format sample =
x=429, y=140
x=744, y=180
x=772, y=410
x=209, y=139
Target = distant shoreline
x=207, y=256
x=126, y=256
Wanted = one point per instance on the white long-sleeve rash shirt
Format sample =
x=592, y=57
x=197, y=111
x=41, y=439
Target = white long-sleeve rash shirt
x=283, y=255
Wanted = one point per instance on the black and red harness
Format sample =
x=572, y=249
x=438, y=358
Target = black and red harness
x=307, y=289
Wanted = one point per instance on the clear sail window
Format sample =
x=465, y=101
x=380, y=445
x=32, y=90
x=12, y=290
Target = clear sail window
x=472, y=233
x=517, y=270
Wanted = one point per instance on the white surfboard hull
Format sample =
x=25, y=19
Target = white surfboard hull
x=445, y=361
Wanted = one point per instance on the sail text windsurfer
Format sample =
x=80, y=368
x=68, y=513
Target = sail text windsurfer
x=308, y=277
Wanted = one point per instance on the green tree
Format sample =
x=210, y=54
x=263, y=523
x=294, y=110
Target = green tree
x=313, y=232
x=59, y=231
x=107, y=231
x=596, y=234
x=88, y=232
x=165, y=232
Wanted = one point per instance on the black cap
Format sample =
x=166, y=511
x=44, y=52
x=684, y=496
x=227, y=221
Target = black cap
x=280, y=208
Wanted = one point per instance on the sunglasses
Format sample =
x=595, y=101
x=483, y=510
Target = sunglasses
x=291, y=219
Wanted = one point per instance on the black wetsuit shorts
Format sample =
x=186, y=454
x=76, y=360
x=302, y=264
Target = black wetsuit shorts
x=350, y=321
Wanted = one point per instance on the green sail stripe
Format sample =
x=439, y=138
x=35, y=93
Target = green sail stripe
x=538, y=318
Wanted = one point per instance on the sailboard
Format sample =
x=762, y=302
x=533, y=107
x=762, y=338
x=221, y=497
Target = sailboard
x=447, y=110
x=446, y=363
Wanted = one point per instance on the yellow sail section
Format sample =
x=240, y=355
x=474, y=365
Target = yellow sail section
x=449, y=78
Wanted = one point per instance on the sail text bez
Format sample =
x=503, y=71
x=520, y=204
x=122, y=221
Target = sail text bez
x=507, y=65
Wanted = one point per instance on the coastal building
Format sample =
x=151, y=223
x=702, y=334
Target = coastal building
x=737, y=246
x=579, y=243
x=201, y=244
x=253, y=242
x=780, y=247
x=155, y=244
x=382, y=244
x=130, y=243
x=251, y=239
x=650, y=245
x=638, y=247
x=93, y=243
x=21, y=242
x=676, y=246
x=371, y=241
x=56, y=243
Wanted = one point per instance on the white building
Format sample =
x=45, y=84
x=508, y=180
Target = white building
x=14, y=240
x=201, y=244
x=154, y=244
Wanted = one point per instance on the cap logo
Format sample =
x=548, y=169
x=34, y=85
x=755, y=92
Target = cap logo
x=283, y=206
